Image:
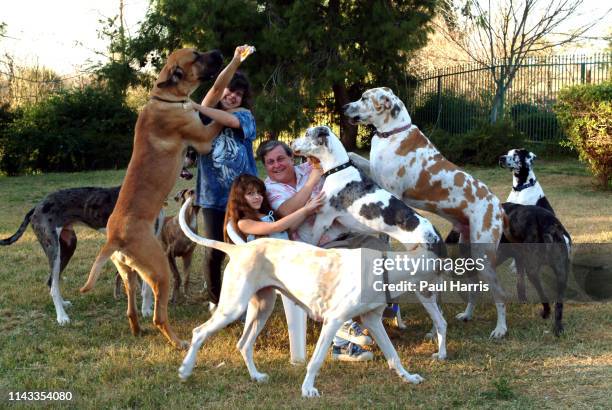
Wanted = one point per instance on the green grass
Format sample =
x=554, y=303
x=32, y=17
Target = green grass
x=104, y=366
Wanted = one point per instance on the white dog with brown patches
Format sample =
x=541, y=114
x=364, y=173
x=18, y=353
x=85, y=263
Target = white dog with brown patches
x=405, y=162
x=325, y=282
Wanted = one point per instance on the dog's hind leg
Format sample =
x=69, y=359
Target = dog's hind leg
x=372, y=320
x=233, y=301
x=149, y=260
x=68, y=244
x=176, y=289
x=329, y=329
x=561, y=273
x=431, y=306
x=260, y=308
x=130, y=282
x=187, y=258
x=51, y=245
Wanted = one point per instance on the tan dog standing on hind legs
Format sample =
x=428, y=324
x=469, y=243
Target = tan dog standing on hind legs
x=165, y=127
x=405, y=162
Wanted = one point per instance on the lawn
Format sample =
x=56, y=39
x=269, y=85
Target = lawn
x=97, y=359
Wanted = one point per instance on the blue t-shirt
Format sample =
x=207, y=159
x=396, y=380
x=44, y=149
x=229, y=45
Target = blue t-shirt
x=230, y=156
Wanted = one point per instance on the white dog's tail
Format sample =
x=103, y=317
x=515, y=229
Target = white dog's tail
x=222, y=246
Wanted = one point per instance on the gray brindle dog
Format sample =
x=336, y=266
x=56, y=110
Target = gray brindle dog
x=53, y=221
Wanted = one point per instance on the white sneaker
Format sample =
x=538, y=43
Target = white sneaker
x=352, y=332
x=351, y=352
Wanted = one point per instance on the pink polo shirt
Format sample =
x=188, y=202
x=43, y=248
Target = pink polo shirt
x=278, y=193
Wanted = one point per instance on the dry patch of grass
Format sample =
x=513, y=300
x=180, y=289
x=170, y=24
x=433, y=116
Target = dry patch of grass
x=104, y=366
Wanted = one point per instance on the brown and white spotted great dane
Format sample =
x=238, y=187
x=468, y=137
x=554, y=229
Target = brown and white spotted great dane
x=405, y=162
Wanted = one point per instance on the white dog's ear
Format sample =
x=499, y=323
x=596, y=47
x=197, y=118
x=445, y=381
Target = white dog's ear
x=386, y=102
x=322, y=135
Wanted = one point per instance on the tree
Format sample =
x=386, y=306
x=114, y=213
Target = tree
x=502, y=34
x=306, y=50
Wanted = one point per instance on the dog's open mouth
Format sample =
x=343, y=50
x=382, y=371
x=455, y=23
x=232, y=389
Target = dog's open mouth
x=354, y=120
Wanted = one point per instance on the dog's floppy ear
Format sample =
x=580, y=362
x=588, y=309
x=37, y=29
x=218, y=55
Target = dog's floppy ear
x=386, y=102
x=179, y=194
x=176, y=74
x=322, y=135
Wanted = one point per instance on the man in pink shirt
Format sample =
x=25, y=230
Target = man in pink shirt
x=288, y=188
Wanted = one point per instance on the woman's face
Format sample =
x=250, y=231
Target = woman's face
x=254, y=198
x=231, y=99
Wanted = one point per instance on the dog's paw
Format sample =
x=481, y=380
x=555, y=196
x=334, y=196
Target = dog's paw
x=439, y=356
x=412, y=378
x=63, y=319
x=147, y=311
x=260, y=377
x=558, y=329
x=464, y=317
x=182, y=345
x=184, y=372
x=431, y=335
x=66, y=303
x=310, y=392
x=498, y=332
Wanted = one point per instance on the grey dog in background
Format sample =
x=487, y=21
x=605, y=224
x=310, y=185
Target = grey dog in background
x=53, y=220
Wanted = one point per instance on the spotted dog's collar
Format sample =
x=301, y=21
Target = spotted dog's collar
x=525, y=185
x=395, y=131
x=338, y=168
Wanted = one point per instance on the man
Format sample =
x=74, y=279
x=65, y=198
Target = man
x=288, y=188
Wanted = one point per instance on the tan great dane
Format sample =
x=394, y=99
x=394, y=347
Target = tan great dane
x=406, y=163
x=165, y=127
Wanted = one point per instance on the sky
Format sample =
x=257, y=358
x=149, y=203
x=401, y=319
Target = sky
x=47, y=32
x=62, y=34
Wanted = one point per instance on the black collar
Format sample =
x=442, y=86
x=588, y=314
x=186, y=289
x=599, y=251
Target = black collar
x=394, y=131
x=338, y=168
x=520, y=187
x=168, y=101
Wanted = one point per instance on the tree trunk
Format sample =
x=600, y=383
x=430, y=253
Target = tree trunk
x=348, y=132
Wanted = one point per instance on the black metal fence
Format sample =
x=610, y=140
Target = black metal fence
x=457, y=99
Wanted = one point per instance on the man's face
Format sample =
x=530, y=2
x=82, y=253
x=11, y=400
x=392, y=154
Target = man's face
x=279, y=165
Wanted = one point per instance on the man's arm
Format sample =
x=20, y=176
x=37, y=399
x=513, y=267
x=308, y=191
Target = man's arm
x=298, y=200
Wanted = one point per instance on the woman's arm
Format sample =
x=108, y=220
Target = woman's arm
x=292, y=221
x=213, y=96
x=219, y=116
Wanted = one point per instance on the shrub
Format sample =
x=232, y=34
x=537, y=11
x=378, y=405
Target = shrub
x=74, y=130
x=481, y=146
x=585, y=112
x=457, y=113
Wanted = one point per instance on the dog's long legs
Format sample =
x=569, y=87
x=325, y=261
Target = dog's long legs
x=439, y=324
x=131, y=283
x=233, y=301
x=53, y=251
x=259, y=310
x=330, y=327
x=372, y=321
x=149, y=260
x=561, y=274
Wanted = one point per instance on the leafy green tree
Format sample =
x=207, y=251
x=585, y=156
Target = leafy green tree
x=306, y=50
